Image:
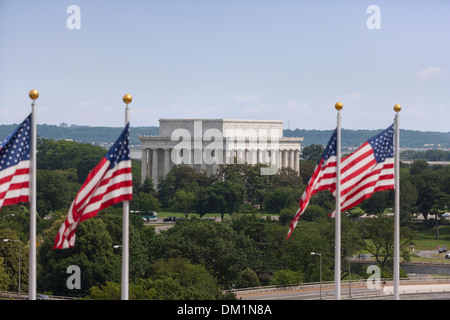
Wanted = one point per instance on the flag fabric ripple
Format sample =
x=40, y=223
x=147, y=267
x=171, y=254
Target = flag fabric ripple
x=15, y=165
x=323, y=178
x=367, y=170
x=108, y=183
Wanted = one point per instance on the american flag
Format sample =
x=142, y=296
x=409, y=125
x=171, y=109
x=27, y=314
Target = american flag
x=323, y=178
x=367, y=170
x=108, y=183
x=15, y=165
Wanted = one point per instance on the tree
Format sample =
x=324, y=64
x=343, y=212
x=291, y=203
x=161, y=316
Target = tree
x=171, y=279
x=312, y=152
x=141, y=240
x=9, y=251
x=314, y=212
x=428, y=185
x=377, y=203
x=56, y=190
x=181, y=177
x=250, y=177
x=92, y=253
x=108, y=291
x=287, y=277
x=306, y=171
x=194, y=277
x=86, y=164
x=256, y=185
x=144, y=202
x=269, y=237
x=418, y=167
x=225, y=196
x=317, y=236
x=216, y=246
x=287, y=177
x=279, y=199
x=408, y=200
x=147, y=186
x=441, y=203
x=183, y=201
x=376, y=235
x=247, y=279
x=5, y=278
x=202, y=201
x=63, y=155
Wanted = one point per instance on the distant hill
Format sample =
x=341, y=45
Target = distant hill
x=350, y=138
x=354, y=138
x=84, y=134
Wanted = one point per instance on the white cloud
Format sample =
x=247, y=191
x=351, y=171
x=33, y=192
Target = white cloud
x=428, y=73
x=248, y=98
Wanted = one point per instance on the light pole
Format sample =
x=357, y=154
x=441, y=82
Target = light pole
x=12, y=240
x=319, y=254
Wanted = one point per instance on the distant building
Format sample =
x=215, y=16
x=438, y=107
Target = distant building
x=207, y=143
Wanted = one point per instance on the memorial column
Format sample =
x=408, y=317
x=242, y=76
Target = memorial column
x=291, y=159
x=166, y=161
x=144, y=166
x=155, y=167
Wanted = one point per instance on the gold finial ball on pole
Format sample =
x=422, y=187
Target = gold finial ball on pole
x=127, y=98
x=339, y=106
x=397, y=108
x=34, y=94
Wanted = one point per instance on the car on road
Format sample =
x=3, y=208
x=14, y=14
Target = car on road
x=170, y=219
x=447, y=256
x=441, y=250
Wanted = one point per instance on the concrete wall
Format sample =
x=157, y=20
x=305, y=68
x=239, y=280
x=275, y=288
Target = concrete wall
x=420, y=268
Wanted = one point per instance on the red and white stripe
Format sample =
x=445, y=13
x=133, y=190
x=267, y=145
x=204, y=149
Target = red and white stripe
x=361, y=176
x=15, y=184
x=102, y=188
x=323, y=178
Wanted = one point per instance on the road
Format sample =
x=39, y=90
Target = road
x=160, y=225
x=315, y=294
x=360, y=291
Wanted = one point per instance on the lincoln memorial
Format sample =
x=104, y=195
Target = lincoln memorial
x=204, y=144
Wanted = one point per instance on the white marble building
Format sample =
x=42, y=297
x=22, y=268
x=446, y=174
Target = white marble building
x=207, y=143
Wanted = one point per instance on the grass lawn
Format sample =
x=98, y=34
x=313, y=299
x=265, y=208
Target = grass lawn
x=428, y=240
x=164, y=214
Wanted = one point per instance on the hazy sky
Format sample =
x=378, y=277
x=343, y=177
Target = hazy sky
x=287, y=60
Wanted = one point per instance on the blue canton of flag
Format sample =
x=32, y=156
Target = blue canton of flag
x=120, y=150
x=383, y=144
x=330, y=150
x=367, y=170
x=15, y=165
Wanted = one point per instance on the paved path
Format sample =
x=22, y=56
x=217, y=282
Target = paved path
x=422, y=288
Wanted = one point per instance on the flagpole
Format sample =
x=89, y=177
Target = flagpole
x=337, y=244
x=397, y=109
x=125, y=224
x=34, y=94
